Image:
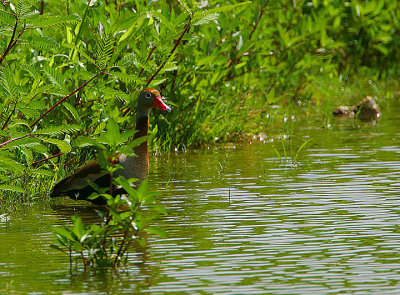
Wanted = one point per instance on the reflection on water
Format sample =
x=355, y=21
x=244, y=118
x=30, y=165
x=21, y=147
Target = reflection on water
x=241, y=221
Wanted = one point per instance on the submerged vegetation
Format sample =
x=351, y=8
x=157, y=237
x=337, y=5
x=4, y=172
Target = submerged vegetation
x=126, y=218
x=122, y=224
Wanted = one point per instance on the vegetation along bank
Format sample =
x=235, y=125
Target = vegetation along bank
x=67, y=68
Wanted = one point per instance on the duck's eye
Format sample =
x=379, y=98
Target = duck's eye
x=148, y=95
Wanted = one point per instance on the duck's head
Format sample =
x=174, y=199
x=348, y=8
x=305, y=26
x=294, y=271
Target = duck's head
x=368, y=109
x=151, y=98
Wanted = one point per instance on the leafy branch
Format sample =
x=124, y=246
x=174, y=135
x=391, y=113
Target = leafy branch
x=13, y=40
x=186, y=29
x=258, y=19
x=147, y=59
x=67, y=96
x=14, y=139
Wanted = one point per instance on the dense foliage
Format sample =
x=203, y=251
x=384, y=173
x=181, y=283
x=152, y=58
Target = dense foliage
x=66, y=67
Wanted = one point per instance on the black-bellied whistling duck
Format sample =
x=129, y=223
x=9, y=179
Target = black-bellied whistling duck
x=77, y=185
x=365, y=110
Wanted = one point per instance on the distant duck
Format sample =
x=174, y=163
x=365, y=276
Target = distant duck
x=77, y=185
x=365, y=110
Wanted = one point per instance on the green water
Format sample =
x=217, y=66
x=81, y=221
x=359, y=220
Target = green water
x=241, y=221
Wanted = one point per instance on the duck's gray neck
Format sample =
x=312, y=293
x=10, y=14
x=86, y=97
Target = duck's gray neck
x=142, y=113
x=138, y=165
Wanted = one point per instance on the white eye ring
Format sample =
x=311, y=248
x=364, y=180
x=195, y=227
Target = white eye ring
x=148, y=95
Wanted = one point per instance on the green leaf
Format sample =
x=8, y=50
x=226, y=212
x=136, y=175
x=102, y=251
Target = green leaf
x=130, y=189
x=33, y=70
x=28, y=154
x=115, y=93
x=63, y=233
x=39, y=148
x=42, y=21
x=185, y=6
x=22, y=7
x=78, y=227
x=12, y=188
x=40, y=42
x=157, y=231
x=160, y=209
x=5, y=20
x=112, y=136
x=170, y=66
x=56, y=79
x=126, y=34
x=156, y=82
x=61, y=129
x=113, y=128
x=42, y=172
x=128, y=78
x=206, y=19
x=63, y=146
x=29, y=113
x=7, y=163
x=206, y=16
x=104, y=50
x=73, y=112
x=80, y=50
x=136, y=142
x=8, y=84
x=382, y=49
x=164, y=21
x=84, y=142
x=57, y=247
x=133, y=59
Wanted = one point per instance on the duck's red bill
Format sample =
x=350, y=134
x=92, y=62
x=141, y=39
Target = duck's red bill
x=160, y=104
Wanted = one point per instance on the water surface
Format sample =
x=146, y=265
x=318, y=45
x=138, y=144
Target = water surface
x=240, y=220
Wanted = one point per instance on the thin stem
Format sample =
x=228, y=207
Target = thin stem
x=117, y=259
x=4, y=111
x=70, y=258
x=187, y=28
x=258, y=20
x=14, y=139
x=173, y=81
x=81, y=24
x=148, y=57
x=11, y=43
x=8, y=119
x=20, y=113
x=77, y=104
x=105, y=235
x=84, y=261
x=65, y=97
x=4, y=11
x=49, y=158
x=126, y=112
x=111, y=179
x=41, y=7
